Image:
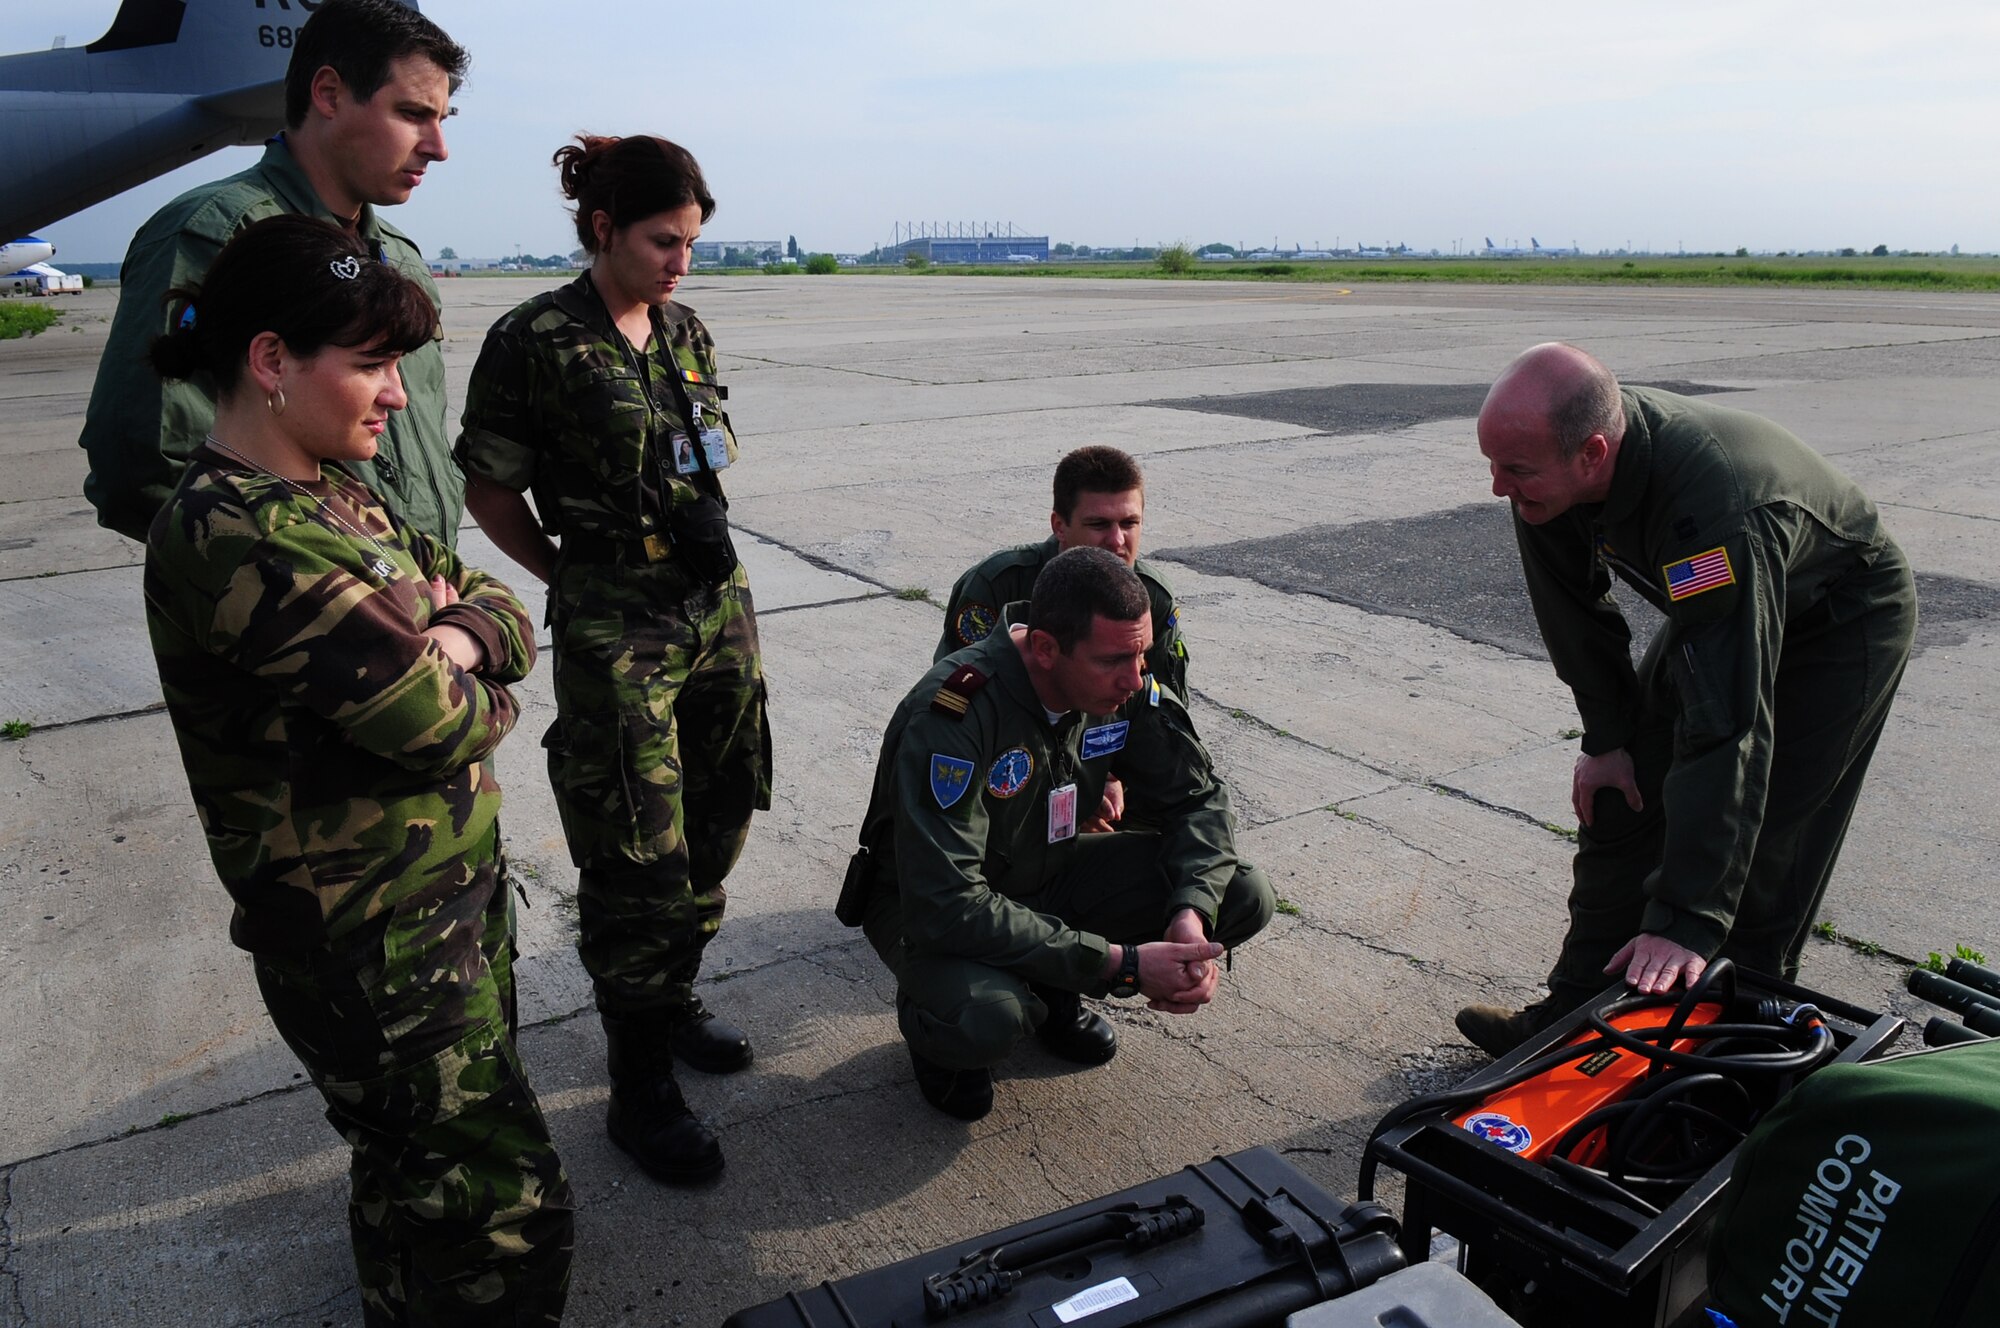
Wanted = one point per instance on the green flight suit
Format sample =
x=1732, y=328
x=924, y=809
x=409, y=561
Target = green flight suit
x=661, y=747
x=339, y=764
x=1753, y=715
x=959, y=888
x=976, y=600
x=139, y=431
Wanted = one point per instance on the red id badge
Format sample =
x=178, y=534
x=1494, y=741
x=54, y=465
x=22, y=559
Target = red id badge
x=1062, y=813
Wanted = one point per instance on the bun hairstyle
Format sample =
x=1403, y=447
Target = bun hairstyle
x=306, y=280
x=628, y=180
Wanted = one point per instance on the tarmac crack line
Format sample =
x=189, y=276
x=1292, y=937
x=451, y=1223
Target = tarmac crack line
x=10, y=1277
x=67, y=571
x=822, y=604
x=1937, y=511
x=816, y=561
x=153, y=709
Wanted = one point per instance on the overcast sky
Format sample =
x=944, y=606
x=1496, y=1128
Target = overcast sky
x=1777, y=125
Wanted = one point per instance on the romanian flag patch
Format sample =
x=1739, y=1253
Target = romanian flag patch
x=1704, y=571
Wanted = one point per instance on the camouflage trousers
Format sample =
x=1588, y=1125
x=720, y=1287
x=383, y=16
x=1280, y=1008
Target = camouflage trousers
x=660, y=752
x=459, y=1212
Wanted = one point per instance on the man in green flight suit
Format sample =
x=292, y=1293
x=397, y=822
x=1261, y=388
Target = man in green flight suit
x=973, y=883
x=1100, y=500
x=1718, y=776
x=367, y=91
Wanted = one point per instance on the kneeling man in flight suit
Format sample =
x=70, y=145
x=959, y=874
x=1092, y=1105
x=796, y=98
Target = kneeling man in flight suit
x=973, y=883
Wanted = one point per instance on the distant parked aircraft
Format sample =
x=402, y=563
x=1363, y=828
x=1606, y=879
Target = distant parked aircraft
x=171, y=82
x=23, y=255
x=1534, y=251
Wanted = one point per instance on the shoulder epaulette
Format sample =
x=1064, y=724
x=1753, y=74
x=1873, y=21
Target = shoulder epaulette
x=955, y=693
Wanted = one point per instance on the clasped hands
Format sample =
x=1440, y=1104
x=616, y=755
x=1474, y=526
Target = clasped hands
x=1178, y=973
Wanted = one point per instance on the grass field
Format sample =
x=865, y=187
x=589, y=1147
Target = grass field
x=1966, y=274
x=24, y=320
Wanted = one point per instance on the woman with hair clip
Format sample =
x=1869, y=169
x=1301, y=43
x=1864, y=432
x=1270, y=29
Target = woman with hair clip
x=601, y=398
x=336, y=681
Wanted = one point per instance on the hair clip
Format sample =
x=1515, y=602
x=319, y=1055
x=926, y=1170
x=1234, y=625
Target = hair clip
x=347, y=269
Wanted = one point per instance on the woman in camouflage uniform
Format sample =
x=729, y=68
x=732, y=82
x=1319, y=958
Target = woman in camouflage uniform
x=336, y=681
x=601, y=399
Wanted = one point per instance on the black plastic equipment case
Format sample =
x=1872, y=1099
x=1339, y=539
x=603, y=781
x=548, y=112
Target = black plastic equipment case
x=1552, y=1254
x=1238, y=1242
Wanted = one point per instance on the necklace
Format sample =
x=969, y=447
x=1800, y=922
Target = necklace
x=382, y=567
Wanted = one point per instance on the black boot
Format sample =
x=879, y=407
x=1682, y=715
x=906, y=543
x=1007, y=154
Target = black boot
x=708, y=1043
x=966, y=1094
x=1072, y=1032
x=648, y=1117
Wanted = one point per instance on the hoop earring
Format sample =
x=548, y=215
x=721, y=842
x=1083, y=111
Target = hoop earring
x=275, y=401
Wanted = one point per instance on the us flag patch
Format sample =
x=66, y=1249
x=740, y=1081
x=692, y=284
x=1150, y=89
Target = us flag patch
x=1704, y=571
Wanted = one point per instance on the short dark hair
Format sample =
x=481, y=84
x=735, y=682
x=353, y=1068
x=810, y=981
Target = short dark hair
x=1079, y=586
x=628, y=180
x=1095, y=469
x=1591, y=406
x=305, y=279
x=359, y=40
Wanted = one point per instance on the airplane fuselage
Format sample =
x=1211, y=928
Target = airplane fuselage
x=20, y=255
x=171, y=82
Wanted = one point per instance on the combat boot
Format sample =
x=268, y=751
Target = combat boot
x=966, y=1094
x=1072, y=1032
x=708, y=1043
x=1497, y=1030
x=648, y=1117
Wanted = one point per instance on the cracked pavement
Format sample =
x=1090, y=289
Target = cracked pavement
x=1405, y=785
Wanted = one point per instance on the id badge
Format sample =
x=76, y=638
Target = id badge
x=714, y=446
x=1062, y=813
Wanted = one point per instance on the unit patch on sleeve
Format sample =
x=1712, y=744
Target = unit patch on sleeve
x=951, y=776
x=1105, y=739
x=1704, y=571
x=1011, y=772
x=975, y=622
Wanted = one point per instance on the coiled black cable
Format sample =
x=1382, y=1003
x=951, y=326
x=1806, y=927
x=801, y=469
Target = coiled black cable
x=1657, y=1140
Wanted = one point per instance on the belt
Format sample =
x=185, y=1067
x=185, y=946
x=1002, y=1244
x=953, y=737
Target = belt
x=593, y=547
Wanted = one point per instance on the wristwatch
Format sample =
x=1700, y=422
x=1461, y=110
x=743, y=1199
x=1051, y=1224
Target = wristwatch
x=1126, y=984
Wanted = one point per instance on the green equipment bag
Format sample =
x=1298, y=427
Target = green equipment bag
x=1868, y=1198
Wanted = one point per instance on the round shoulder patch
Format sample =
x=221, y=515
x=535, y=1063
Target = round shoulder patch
x=1011, y=772
x=1503, y=1130
x=975, y=622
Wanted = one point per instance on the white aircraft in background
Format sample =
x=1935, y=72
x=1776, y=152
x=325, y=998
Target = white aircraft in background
x=1536, y=250
x=25, y=256
x=170, y=82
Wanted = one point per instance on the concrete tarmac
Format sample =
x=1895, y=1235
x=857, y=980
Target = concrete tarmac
x=1363, y=674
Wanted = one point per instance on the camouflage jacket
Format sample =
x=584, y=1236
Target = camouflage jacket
x=1009, y=575
x=556, y=406
x=334, y=752
x=140, y=431
x=958, y=823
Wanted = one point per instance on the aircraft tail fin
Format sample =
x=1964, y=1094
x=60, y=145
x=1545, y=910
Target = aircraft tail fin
x=142, y=23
